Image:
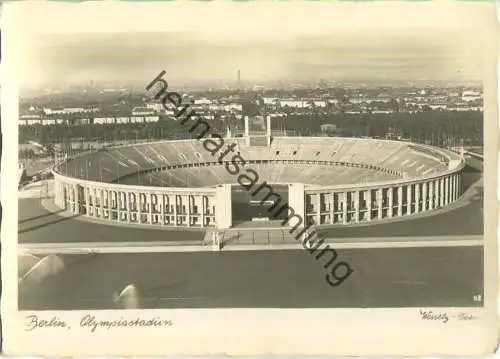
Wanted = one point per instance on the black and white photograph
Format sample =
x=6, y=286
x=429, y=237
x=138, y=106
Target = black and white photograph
x=245, y=158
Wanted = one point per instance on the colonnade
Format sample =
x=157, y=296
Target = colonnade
x=356, y=205
x=211, y=207
x=181, y=208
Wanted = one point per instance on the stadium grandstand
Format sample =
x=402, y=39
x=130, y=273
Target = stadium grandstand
x=329, y=180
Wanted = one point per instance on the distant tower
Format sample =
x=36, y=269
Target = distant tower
x=239, y=79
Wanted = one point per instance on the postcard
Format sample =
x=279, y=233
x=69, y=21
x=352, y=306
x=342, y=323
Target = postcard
x=249, y=178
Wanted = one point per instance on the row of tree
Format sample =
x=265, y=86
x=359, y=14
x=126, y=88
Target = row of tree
x=429, y=126
x=426, y=126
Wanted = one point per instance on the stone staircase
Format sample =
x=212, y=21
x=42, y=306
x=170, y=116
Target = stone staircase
x=257, y=236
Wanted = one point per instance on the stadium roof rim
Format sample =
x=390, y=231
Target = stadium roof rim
x=444, y=152
x=447, y=153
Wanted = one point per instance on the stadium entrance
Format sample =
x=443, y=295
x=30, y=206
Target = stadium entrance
x=257, y=209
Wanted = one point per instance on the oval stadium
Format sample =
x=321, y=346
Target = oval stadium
x=221, y=182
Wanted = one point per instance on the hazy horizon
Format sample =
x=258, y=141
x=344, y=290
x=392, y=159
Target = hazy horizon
x=427, y=49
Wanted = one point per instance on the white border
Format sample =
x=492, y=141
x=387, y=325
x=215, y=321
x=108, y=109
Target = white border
x=246, y=331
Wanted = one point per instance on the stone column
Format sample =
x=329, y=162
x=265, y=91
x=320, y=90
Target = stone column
x=431, y=195
x=454, y=192
x=203, y=209
x=446, y=190
x=436, y=193
x=424, y=196
x=455, y=187
x=400, y=201
x=417, y=198
x=409, y=199
x=128, y=202
x=139, y=206
x=390, y=196
x=356, y=207
x=87, y=199
x=344, y=210
x=101, y=203
x=76, y=209
x=452, y=188
x=95, y=208
x=317, y=204
x=369, y=204
x=150, y=208
x=71, y=196
x=451, y=193
x=188, y=216
x=124, y=204
x=175, y=210
x=118, y=206
x=223, y=214
x=74, y=198
x=109, y=200
x=296, y=200
x=380, y=194
x=441, y=192
x=332, y=206
x=460, y=184
x=162, y=209
x=104, y=202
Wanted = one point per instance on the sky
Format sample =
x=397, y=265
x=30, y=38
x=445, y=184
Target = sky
x=129, y=43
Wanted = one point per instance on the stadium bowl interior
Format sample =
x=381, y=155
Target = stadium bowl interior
x=331, y=181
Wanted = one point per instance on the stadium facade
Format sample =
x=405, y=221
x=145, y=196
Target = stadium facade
x=330, y=180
